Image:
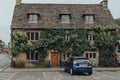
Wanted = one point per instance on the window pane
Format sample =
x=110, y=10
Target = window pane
x=34, y=18
x=28, y=36
x=90, y=37
x=65, y=18
x=89, y=19
x=87, y=55
x=36, y=56
x=32, y=56
x=90, y=55
x=36, y=36
x=28, y=56
x=63, y=56
x=94, y=55
x=32, y=35
x=30, y=17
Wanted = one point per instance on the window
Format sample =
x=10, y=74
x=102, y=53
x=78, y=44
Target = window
x=33, y=18
x=89, y=19
x=65, y=56
x=90, y=37
x=32, y=35
x=90, y=55
x=66, y=37
x=118, y=48
x=32, y=56
x=65, y=18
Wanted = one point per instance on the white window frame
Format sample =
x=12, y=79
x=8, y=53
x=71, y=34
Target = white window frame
x=65, y=56
x=89, y=19
x=91, y=55
x=65, y=18
x=30, y=56
x=90, y=37
x=34, y=35
x=32, y=18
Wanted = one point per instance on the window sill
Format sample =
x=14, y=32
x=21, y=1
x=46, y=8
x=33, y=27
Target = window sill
x=89, y=22
x=32, y=60
x=32, y=22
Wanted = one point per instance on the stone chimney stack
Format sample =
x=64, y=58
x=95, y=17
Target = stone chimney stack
x=18, y=2
x=104, y=3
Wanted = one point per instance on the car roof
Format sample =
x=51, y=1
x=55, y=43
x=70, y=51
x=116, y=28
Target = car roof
x=81, y=57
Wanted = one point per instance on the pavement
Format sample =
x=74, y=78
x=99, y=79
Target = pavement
x=55, y=69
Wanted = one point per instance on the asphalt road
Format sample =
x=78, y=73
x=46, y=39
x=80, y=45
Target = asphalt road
x=105, y=75
x=4, y=61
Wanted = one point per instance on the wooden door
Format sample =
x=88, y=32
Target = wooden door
x=54, y=59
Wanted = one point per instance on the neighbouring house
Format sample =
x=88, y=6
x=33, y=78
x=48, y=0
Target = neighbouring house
x=31, y=18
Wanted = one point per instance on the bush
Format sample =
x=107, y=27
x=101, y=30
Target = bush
x=46, y=63
x=18, y=64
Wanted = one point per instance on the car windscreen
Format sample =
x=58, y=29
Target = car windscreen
x=82, y=61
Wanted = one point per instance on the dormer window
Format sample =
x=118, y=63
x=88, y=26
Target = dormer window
x=33, y=17
x=65, y=18
x=89, y=19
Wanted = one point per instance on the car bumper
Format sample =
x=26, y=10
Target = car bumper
x=82, y=69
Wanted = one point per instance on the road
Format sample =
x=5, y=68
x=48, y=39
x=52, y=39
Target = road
x=4, y=61
x=105, y=75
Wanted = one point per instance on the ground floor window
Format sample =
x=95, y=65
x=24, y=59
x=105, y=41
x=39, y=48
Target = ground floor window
x=93, y=56
x=90, y=55
x=32, y=56
x=65, y=56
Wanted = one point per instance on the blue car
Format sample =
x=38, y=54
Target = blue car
x=78, y=64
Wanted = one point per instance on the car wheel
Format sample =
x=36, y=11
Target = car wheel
x=90, y=73
x=71, y=71
x=65, y=70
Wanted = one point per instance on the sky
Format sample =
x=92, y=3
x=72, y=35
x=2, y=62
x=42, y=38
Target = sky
x=7, y=8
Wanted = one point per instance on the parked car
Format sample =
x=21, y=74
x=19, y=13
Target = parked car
x=78, y=64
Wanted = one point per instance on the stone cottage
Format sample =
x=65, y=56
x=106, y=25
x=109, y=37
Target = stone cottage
x=31, y=18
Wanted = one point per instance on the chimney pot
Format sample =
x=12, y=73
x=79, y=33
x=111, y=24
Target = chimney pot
x=104, y=3
x=18, y=2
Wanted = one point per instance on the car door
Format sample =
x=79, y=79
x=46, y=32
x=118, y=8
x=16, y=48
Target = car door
x=70, y=63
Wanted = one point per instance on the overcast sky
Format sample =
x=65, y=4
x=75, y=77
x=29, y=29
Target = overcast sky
x=7, y=7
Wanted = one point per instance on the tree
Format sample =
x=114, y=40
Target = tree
x=1, y=45
x=19, y=43
x=106, y=45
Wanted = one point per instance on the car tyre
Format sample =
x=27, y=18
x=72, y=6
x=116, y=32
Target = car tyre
x=65, y=70
x=71, y=71
x=90, y=73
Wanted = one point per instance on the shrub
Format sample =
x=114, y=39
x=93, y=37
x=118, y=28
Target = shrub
x=18, y=64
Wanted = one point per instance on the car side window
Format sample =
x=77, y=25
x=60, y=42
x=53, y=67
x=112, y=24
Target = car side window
x=71, y=60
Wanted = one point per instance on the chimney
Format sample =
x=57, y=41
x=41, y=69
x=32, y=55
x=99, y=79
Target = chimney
x=104, y=3
x=18, y=2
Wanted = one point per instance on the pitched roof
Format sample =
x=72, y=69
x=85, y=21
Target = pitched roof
x=50, y=15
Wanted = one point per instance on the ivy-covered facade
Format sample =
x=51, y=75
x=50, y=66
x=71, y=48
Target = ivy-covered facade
x=39, y=31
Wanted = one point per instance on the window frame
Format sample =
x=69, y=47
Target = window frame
x=33, y=37
x=31, y=56
x=33, y=17
x=65, y=56
x=90, y=37
x=65, y=18
x=89, y=18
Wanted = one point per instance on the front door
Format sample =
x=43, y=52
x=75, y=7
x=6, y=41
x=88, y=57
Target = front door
x=54, y=59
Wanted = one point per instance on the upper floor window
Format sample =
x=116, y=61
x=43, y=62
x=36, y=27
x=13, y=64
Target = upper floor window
x=33, y=35
x=33, y=18
x=89, y=19
x=90, y=37
x=66, y=36
x=65, y=18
